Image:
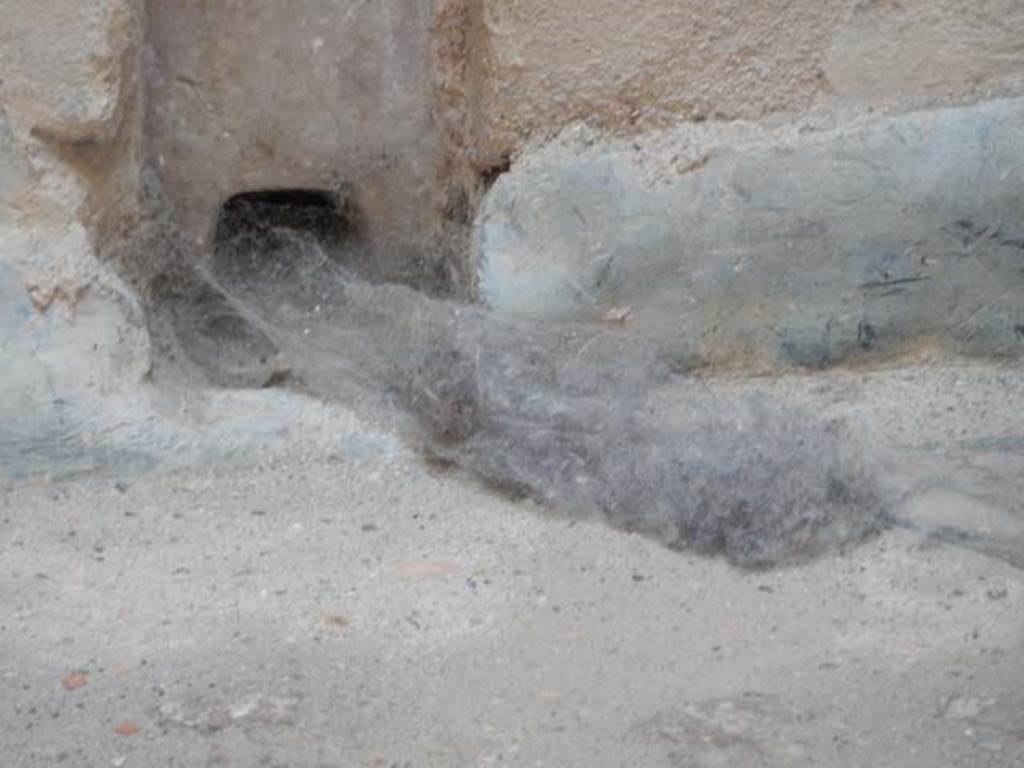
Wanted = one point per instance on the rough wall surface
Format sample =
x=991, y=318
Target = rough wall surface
x=310, y=94
x=70, y=131
x=927, y=51
x=635, y=66
x=71, y=334
x=414, y=107
x=624, y=67
x=788, y=247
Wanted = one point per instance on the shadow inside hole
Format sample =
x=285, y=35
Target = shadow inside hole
x=266, y=235
x=279, y=248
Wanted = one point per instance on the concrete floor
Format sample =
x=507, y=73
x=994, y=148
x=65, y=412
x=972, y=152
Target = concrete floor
x=325, y=610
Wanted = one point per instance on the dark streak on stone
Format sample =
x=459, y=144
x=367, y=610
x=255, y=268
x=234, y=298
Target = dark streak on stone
x=897, y=281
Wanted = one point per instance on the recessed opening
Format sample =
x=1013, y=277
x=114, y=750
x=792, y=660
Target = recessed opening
x=263, y=239
x=323, y=214
x=263, y=222
x=263, y=236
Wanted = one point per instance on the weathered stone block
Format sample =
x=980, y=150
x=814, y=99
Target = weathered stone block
x=802, y=247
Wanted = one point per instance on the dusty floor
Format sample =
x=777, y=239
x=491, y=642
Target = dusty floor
x=324, y=611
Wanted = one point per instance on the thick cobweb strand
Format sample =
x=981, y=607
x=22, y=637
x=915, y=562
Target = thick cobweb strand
x=562, y=412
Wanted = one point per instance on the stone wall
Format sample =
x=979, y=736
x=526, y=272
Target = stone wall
x=112, y=111
x=415, y=107
x=71, y=331
x=754, y=248
x=307, y=94
x=756, y=184
x=624, y=68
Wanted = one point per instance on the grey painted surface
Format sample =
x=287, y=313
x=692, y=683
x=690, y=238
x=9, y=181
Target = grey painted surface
x=856, y=242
